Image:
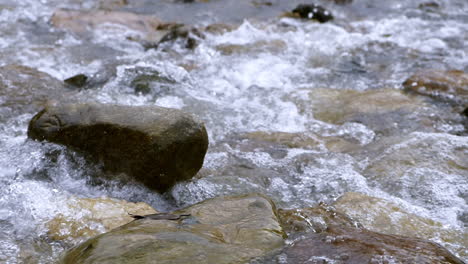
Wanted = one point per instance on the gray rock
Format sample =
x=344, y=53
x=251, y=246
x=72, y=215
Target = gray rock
x=156, y=146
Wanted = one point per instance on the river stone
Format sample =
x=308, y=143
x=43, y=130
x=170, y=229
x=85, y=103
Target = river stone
x=148, y=28
x=304, y=140
x=220, y=230
x=386, y=111
x=380, y=215
x=313, y=219
x=446, y=85
x=348, y=245
x=26, y=90
x=84, y=218
x=156, y=146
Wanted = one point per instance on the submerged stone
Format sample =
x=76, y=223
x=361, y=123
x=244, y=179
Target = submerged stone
x=220, y=230
x=387, y=112
x=24, y=89
x=84, y=218
x=154, y=145
x=314, y=219
x=340, y=244
x=445, y=85
x=149, y=28
x=380, y=215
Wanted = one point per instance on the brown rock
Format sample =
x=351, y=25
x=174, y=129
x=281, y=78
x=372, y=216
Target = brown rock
x=79, y=22
x=380, y=215
x=154, y=145
x=446, y=85
x=349, y=245
x=223, y=230
x=314, y=219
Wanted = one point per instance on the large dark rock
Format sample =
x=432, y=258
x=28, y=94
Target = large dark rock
x=157, y=146
x=223, y=230
x=340, y=244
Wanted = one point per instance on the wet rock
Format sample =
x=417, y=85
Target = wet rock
x=383, y=216
x=340, y=244
x=149, y=28
x=190, y=36
x=154, y=145
x=304, y=140
x=220, y=230
x=385, y=111
x=428, y=169
x=219, y=29
x=26, y=90
x=146, y=81
x=87, y=217
x=313, y=12
x=314, y=219
x=444, y=85
x=77, y=81
x=275, y=47
x=429, y=5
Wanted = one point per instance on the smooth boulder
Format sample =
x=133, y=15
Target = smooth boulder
x=154, y=145
x=220, y=230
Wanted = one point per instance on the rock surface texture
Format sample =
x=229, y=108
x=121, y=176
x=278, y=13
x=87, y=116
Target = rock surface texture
x=445, y=85
x=220, y=230
x=352, y=245
x=156, y=146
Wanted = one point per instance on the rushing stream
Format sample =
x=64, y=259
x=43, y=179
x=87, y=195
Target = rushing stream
x=273, y=91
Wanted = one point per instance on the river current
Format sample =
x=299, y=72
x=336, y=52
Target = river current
x=269, y=75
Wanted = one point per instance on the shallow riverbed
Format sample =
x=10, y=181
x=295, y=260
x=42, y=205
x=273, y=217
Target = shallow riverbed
x=298, y=110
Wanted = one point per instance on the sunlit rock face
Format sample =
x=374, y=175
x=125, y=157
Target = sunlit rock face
x=157, y=146
x=88, y=217
x=383, y=216
x=220, y=230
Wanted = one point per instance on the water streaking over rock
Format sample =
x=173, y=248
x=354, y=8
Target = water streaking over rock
x=295, y=109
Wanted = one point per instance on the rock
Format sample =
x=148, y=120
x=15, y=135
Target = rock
x=149, y=28
x=304, y=140
x=220, y=230
x=386, y=111
x=444, y=85
x=77, y=81
x=88, y=217
x=219, y=29
x=313, y=12
x=274, y=46
x=189, y=35
x=314, y=219
x=157, y=146
x=385, y=217
x=147, y=80
x=26, y=90
x=340, y=244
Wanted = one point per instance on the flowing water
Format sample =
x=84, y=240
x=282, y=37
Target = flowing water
x=270, y=77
